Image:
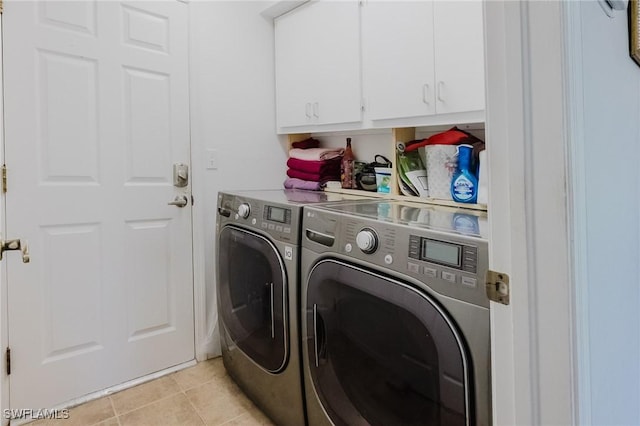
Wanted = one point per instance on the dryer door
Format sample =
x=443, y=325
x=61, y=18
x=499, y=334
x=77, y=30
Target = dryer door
x=252, y=296
x=382, y=352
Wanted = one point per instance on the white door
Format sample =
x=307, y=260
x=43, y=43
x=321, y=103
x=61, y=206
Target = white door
x=96, y=113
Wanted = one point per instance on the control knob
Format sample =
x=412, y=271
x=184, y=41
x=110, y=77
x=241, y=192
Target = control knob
x=244, y=210
x=367, y=240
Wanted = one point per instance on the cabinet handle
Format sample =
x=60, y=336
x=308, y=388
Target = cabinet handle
x=316, y=110
x=425, y=93
x=307, y=109
x=440, y=85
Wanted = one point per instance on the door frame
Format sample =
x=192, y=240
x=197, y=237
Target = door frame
x=198, y=253
x=530, y=218
x=4, y=305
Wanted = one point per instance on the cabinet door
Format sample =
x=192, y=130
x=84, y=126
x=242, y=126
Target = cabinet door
x=294, y=64
x=336, y=70
x=459, y=56
x=397, y=53
x=317, y=49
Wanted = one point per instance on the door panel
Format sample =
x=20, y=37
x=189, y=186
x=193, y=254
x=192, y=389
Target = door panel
x=382, y=352
x=96, y=113
x=252, y=289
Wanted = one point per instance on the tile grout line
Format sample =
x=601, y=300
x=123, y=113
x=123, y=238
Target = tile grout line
x=148, y=404
x=184, y=391
x=113, y=407
x=235, y=418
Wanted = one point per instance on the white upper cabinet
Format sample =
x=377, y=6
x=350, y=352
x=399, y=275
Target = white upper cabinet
x=459, y=56
x=397, y=55
x=422, y=58
x=317, y=50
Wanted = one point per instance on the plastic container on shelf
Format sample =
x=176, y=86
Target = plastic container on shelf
x=464, y=184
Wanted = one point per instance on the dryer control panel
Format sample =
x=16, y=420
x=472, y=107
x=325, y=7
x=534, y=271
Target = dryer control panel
x=277, y=220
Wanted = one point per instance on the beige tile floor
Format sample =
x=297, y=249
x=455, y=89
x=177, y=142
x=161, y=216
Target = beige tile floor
x=200, y=395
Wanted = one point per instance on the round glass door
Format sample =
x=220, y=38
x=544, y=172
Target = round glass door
x=252, y=296
x=382, y=352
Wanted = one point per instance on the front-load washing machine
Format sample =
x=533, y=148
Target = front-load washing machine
x=394, y=315
x=258, y=238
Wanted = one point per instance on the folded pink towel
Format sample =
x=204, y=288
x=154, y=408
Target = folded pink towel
x=316, y=177
x=314, y=166
x=316, y=154
x=293, y=183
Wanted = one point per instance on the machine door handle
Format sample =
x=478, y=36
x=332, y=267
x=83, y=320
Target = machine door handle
x=23, y=246
x=179, y=201
x=273, y=314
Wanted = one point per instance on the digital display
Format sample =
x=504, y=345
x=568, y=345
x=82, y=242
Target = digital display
x=439, y=252
x=277, y=214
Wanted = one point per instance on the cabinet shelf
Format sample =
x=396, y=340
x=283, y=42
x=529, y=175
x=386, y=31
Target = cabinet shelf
x=432, y=201
x=404, y=134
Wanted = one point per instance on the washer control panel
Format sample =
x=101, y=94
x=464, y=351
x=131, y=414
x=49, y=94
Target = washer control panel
x=451, y=264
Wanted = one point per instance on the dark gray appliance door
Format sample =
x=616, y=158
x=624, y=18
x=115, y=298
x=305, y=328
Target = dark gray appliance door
x=382, y=352
x=252, y=296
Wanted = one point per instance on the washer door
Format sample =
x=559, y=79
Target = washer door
x=382, y=352
x=252, y=296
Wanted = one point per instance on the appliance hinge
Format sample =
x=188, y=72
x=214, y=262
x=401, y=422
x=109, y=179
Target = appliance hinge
x=4, y=175
x=497, y=287
x=8, y=360
x=362, y=104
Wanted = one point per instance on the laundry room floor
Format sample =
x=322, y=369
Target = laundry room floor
x=200, y=395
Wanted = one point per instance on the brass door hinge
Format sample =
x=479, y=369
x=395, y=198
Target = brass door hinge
x=1, y=6
x=497, y=287
x=8, y=360
x=4, y=177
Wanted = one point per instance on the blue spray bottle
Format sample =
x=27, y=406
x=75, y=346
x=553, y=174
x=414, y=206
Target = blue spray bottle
x=464, y=185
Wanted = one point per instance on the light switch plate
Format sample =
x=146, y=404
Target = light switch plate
x=211, y=159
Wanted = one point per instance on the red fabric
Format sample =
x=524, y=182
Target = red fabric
x=315, y=177
x=317, y=167
x=453, y=136
x=307, y=143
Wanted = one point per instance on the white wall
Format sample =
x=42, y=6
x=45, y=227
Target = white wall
x=233, y=112
x=607, y=207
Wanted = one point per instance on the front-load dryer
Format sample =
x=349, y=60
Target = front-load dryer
x=258, y=238
x=395, y=320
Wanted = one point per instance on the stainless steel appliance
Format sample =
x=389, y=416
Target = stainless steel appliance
x=395, y=320
x=258, y=238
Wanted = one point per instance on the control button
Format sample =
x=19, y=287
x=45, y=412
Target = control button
x=271, y=227
x=287, y=230
x=468, y=281
x=237, y=216
x=254, y=221
x=264, y=225
x=348, y=247
x=413, y=267
x=449, y=276
x=367, y=240
x=388, y=259
x=279, y=228
x=430, y=272
x=244, y=210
